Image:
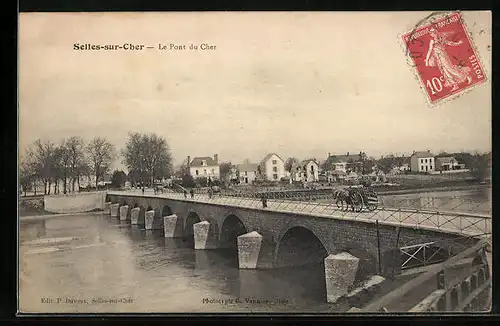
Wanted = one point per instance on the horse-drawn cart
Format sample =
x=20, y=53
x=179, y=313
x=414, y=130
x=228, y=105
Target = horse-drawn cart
x=356, y=198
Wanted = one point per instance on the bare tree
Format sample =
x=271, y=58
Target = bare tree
x=76, y=152
x=149, y=155
x=101, y=154
x=27, y=171
x=43, y=157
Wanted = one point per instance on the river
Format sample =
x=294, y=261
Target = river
x=76, y=263
x=468, y=201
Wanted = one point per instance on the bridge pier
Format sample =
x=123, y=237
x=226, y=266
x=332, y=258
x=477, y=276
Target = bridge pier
x=340, y=272
x=205, y=235
x=107, y=207
x=149, y=219
x=124, y=213
x=249, y=249
x=113, y=209
x=172, y=226
x=134, y=215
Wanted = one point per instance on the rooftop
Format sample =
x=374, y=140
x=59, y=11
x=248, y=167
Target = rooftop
x=197, y=161
x=247, y=167
x=268, y=156
x=423, y=154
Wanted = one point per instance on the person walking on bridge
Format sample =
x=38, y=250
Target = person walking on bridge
x=185, y=194
x=192, y=193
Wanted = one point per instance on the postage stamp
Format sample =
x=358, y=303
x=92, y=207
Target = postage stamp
x=443, y=55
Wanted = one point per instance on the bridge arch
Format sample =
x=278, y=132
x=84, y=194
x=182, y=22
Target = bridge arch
x=232, y=228
x=192, y=219
x=166, y=211
x=299, y=246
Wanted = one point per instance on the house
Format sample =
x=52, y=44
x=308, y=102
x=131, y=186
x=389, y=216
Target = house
x=305, y=171
x=272, y=167
x=204, y=167
x=448, y=163
x=422, y=162
x=345, y=163
x=247, y=172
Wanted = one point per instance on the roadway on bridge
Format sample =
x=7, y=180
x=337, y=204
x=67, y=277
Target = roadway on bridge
x=467, y=224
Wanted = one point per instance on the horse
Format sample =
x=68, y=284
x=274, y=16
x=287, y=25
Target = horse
x=348, y=197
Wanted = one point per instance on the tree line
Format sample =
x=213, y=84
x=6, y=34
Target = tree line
x=56, y=166
x=65, y=163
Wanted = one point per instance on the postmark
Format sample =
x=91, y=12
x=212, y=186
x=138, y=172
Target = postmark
x=443, y=57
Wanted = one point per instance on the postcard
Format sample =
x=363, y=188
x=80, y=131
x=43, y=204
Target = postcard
x=255, y=162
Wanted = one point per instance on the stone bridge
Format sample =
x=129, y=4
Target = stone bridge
x=279, y=235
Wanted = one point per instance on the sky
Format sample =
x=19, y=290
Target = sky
x=298, y=84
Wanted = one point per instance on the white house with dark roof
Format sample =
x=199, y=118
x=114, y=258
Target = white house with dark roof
x=422, y=162
x=305, y=171
x=247, y=172
x=272, y=167
x=204, y=166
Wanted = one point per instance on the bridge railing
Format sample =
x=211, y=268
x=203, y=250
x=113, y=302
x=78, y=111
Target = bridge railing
x=449, y=220
x=454, y=291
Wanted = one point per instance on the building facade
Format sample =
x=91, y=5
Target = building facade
x=422, y=162
x=306, y=171
x=247, y=173
x=272, y=167
x=204, y=167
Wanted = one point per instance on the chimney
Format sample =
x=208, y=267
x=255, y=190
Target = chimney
x=189, y=161
x=329, y=154
x=347, y=153
x=216, y=158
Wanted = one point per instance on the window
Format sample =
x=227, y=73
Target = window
x=274, y=161
x=246, y=173
x=421, y=168
x=204, y=171
x=425, y=160
x=196, y=172
x=275, y=176
x=275, y=169
x=422, y=160
x=430, y=167
x=312, y=168
x=213, y=171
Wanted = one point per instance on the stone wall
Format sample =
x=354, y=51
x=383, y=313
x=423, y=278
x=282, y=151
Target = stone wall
x=75, y=202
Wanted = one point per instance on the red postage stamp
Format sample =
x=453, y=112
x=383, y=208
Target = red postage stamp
x=444, y=57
